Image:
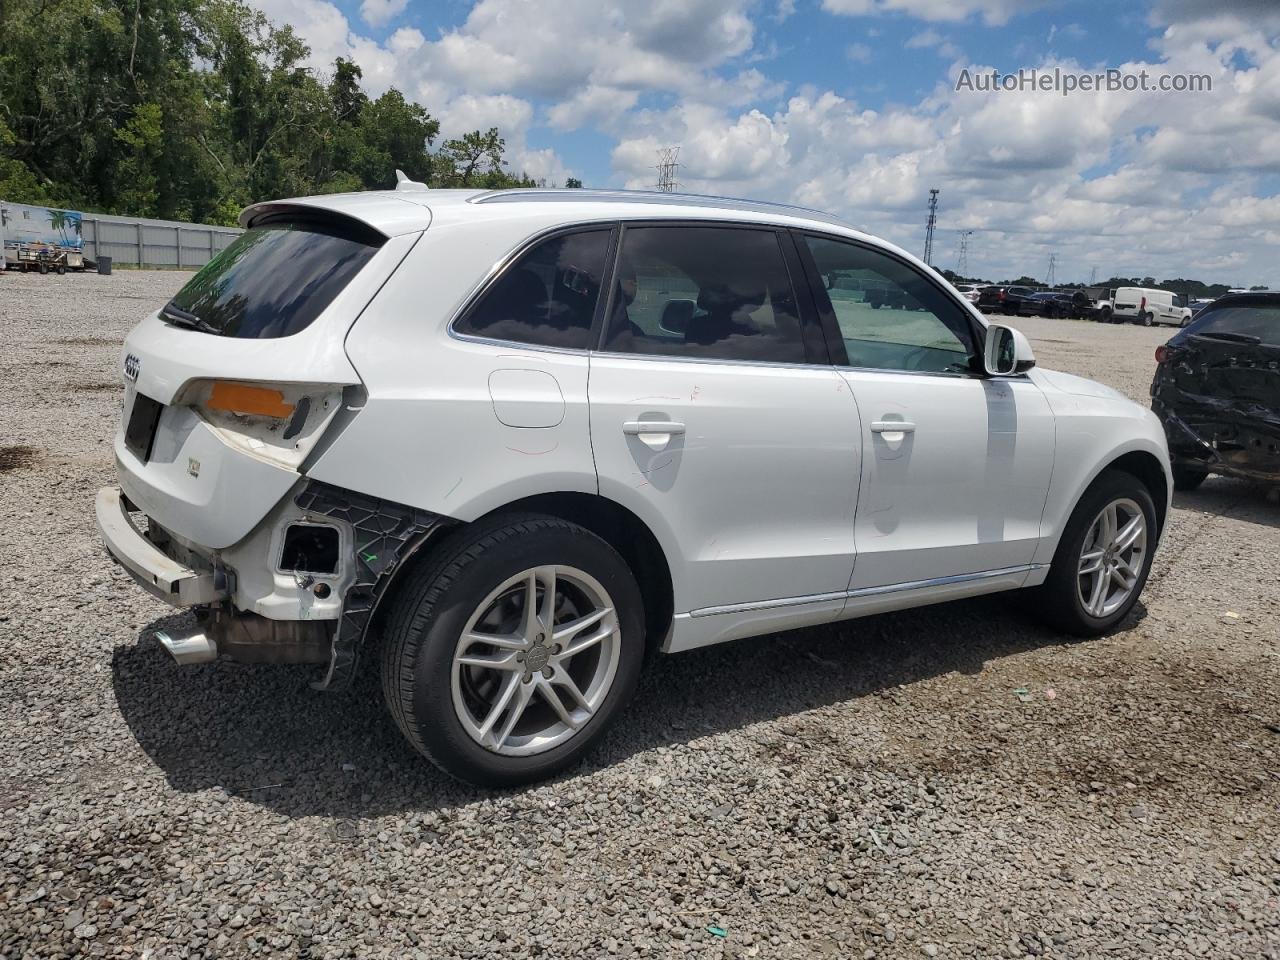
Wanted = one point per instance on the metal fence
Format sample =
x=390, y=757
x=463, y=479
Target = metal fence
x=153, y=243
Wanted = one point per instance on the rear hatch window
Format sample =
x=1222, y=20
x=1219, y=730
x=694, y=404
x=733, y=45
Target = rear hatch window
x=274, y=280
x=1258, y=324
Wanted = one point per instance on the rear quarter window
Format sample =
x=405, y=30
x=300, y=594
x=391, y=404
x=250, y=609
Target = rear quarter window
x=274, y=279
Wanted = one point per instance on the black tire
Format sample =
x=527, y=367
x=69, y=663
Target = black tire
x=43, y=268
x=1057, y=600
x=1148, y=319
x=61, y=270
x=1188, y=478
x=428, y=615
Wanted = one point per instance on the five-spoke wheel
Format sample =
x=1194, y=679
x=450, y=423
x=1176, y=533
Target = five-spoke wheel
x=535, y=660
x=510, y=654
x=1103, y=557
x=1112, y=557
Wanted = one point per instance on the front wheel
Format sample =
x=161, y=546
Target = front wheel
x=512, y=654
x=1103, y=558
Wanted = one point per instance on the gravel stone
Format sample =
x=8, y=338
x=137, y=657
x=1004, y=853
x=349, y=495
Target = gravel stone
x=871, y=789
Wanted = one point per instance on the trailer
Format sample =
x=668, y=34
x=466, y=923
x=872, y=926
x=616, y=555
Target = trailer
x=40, y=239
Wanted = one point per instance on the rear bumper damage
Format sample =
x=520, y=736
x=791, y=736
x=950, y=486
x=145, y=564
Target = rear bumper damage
x=259, y=600
x=1217, y=436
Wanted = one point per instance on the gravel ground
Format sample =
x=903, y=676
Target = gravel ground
x=872, y=789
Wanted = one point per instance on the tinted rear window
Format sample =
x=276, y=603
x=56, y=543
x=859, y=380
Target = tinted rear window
x=1261, y=321
x=274, y=280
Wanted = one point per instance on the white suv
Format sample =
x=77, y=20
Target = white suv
x=505, y=443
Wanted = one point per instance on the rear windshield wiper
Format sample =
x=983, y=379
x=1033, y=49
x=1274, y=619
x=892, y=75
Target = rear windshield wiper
x=182, y=318
x=1228, y=335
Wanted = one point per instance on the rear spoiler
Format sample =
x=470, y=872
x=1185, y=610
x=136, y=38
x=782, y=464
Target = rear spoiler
x=389, y=213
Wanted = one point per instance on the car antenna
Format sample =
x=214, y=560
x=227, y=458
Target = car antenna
x=404, y=183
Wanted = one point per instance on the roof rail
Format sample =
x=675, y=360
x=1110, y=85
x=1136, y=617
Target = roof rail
x=561, y=195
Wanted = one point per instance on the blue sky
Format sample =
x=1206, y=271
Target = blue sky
x=850, y=105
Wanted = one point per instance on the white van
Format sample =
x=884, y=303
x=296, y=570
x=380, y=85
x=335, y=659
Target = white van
x=1146, y=306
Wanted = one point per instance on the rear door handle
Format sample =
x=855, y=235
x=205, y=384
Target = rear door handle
x=639, y=428
x=892, y=426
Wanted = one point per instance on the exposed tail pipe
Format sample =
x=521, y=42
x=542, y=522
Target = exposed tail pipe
x=189, y=646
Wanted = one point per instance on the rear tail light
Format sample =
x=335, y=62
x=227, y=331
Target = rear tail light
x=278, y=421
x=1001, y=294
x=244, y=398
x=1162, y=353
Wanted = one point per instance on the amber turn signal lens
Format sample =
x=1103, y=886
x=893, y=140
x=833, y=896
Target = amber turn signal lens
x=242, y=398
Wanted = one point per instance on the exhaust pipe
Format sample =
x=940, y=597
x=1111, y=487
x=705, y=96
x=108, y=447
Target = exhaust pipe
x=189, y=646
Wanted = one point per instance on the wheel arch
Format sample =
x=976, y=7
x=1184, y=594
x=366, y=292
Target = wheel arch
x=607, y=519
x=1146, y=467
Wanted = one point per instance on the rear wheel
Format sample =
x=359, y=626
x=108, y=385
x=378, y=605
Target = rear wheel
x=1188, y=478
x=509, y=658
x=1103, y=558
x=1148, y=319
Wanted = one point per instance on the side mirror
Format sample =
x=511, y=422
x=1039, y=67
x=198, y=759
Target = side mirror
x=1006, y=352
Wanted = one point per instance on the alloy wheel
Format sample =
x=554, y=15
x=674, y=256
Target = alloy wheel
x=1111, y=558
x=536, y=660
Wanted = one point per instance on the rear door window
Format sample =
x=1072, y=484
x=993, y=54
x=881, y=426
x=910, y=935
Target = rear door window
x=273, y=280
x=706, y=292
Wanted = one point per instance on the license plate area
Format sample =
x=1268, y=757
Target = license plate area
x=140, y=432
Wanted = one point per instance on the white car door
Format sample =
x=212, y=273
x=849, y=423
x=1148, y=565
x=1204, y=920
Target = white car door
x=956, y=465
x=717, y=419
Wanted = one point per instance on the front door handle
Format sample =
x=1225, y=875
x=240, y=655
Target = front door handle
x=892, y=426
x=639, y=428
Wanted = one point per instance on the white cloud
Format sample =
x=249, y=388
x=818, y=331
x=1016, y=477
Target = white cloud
x=1132, y=184
x=993, y=12
x=378, y=13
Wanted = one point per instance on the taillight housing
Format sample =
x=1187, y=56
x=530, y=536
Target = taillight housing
x=1162, y=353
x=277, y=421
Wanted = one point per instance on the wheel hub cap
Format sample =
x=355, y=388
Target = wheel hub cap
x=536, y=658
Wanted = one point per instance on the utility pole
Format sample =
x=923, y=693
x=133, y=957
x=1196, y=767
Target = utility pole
x=929, y=225
x=1053, y=263
x=668, y=164
x=962, y=259
x=1093, y=275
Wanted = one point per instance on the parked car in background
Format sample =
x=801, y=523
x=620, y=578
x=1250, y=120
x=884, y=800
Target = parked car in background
x=1217, y=392
x=969, y=291
x=1063, y=304
x=1149, y=306
x=1199, y=304
x=1012, y=301
x=501, y=445
x=1101, y=301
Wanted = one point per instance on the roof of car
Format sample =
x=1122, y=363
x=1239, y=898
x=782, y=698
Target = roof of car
x=412, y=207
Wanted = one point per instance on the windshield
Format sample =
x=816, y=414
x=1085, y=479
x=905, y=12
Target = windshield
x=1260, y=321
x=274, y=280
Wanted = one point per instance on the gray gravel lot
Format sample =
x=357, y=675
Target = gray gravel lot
x=872, y=789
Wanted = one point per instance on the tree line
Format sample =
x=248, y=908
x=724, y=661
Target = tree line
x=192, y=109
x=1194, y=289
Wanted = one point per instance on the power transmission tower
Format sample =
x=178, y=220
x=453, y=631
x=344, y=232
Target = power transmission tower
x=668, y=163
x=962, y=259
x=929, y=225
x=1053, y=263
